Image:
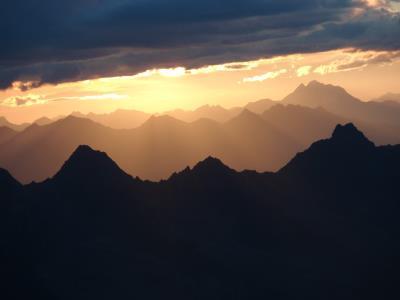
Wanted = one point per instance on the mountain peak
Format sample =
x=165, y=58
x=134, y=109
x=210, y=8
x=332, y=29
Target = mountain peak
x=211, y=165
x=315, y=83
x=86, y=164
x=246, y=114
x=161, y=121
x=317, y=94
x=349, y=134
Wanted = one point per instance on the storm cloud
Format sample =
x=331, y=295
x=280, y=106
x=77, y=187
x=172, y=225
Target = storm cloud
x=54, y=41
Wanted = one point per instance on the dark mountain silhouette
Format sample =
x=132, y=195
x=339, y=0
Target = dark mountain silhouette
x=325, y=153
x=337, y=101
x=86, y=165
x=7, y=183
x=324, y=227
x=39, y=151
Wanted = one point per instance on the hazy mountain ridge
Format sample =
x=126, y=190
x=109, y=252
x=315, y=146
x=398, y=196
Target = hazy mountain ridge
x=338, y=101
x=6, y=134
x=87, y=235
x=389, y=97
x=248, y=139
x=154, y=150
x=16, y=127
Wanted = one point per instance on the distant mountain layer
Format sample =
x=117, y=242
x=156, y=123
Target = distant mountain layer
x=16, y=127
x=378, y=118
x=324, y=227
x=338, y=101
x=163, y=145
x=119, y=119
x=389, y=97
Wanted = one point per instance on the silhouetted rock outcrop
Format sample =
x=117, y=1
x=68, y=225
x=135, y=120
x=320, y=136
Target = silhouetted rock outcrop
x=324, y=227
x=7, y=183
x=87, y=165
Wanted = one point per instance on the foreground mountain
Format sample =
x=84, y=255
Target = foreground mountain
x=161, y=146
x=324, y=227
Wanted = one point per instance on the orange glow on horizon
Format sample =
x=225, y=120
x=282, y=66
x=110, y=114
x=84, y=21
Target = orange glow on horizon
x=229, y=85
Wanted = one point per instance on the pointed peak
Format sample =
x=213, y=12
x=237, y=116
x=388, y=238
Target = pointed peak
x=211, y=165
x=210, y=160
x=161, y=119
x=301, y=86
x=246, y=113
x=83, y=149
x=245, y=116
x=86, y=164
x=85, y=155
x=315, y=83
x=349, y=134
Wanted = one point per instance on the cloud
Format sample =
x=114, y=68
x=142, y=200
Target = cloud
x=263, y=77
x=63, y=41
x=358, y=60
x=303, y=71
x=34, y=99
x=26, y=100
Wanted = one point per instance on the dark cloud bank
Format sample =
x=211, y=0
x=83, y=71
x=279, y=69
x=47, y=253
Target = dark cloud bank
x=54, y=41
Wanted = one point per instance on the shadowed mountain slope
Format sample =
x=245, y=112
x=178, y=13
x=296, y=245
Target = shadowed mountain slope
x=324, y=227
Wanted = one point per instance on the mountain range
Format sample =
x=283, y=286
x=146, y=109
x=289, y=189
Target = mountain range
x=244, y=138
x=325, y=226
x=154, y=150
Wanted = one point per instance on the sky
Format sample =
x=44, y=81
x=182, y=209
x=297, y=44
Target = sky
x=157, y=55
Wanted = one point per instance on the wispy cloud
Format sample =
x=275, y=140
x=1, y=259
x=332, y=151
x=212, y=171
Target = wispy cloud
x=35, y=99
x=25, y=100
x=266, y=76
x=357, y=60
